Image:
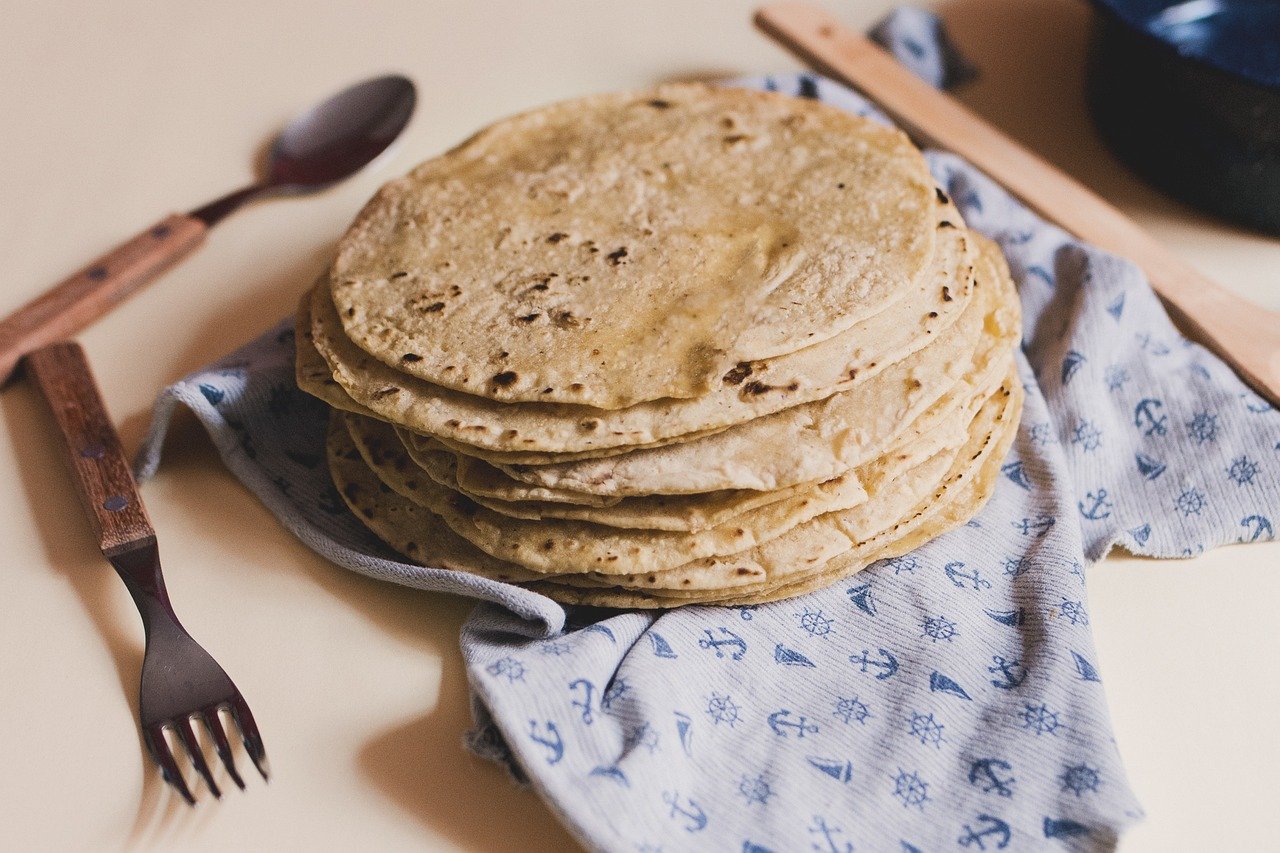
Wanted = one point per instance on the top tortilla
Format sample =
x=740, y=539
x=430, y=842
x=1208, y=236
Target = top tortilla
x=748, y=391
x=624, y=248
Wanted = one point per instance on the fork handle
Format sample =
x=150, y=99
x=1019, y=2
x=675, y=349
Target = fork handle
x=93, y=291
x=103, y=479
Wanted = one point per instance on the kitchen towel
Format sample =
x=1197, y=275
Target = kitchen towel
x=946, y=699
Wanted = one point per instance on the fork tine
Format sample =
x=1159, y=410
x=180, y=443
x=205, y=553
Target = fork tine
x=213, y=723
x=249, y=732
x=188, y=735
x=159, y=749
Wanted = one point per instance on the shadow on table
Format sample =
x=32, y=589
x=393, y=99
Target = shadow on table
x=423, y=766
x=71, y=551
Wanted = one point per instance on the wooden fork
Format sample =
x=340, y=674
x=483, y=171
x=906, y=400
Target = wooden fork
x=1243, y=334
x=180, y=681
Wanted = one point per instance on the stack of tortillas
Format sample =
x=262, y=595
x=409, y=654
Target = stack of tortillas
x=689, y=345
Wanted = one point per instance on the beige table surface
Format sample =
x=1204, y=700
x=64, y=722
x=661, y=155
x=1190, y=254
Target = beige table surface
x=115, y=113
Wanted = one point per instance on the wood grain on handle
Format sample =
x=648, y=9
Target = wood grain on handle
x=1243, y=334
x=103, y=478
x=79, y=300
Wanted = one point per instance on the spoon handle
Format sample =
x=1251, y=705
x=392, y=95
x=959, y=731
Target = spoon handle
x=88, y=294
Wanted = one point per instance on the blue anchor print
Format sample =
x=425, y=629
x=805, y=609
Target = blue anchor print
x=790, y=657
x=550, y=738
x=988, y=773
x=730, y=640
x=613, y=772
x=1147, y=417
x=1141, y=533
x=1012, y=673
x=1199, y=370
x=1088, y=672
x=862, y=599
x=586, y=702
x=1016, y=471
x=841, y=771
x=779, y=722
x=888, y=664
x=747, y=612
x=962, y=580
x=661, y=648
x=1039, y=525
x=1096, y=505
x=1071, y=365
x=1256, y=527
x=1012, y=618
x=1148, y=466
x=1116, y=307
x=909, y=848
x=988, y=826
x=684, y=730
x=695, y=819
x=939, y=683
x=1063, y=828
x=828, y=841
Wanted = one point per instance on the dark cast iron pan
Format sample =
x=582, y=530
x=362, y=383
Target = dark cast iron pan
x=1187, y=94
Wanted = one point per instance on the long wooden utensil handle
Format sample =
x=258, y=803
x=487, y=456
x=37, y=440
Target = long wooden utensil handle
x=1243, y=334
x=79, y=300
x=101, y=469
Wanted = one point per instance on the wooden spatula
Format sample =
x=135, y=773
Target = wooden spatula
x=1243, y=334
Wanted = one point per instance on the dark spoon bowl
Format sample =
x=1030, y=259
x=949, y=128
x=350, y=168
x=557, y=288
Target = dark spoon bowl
x=1187, y=94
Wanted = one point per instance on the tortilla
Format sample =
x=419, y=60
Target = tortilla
x=746, y=392
x=629, y=247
